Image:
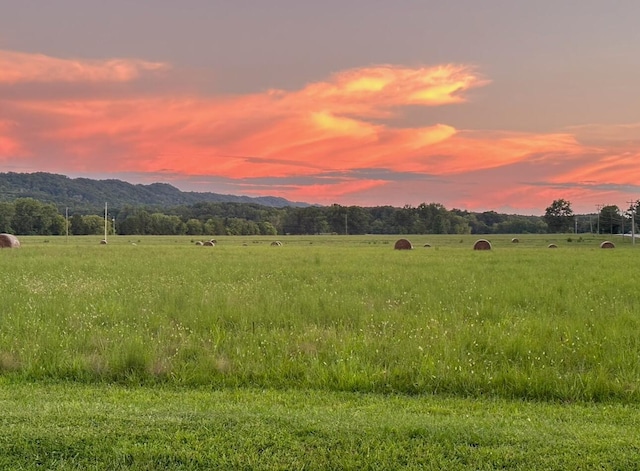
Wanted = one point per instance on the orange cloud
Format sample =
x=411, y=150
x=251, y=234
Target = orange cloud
x=283, y=132
x=18, y=67
x=340, y=126
x=373, y=91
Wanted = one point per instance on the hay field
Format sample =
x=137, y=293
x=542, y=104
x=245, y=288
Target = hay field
x=327, y=313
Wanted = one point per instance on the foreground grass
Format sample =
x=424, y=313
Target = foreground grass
x=74, y=426
x=325, y=353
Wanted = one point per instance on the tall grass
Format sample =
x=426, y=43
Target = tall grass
x=335, y=313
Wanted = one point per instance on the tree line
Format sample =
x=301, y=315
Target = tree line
x=28, y=216
x=610, y=219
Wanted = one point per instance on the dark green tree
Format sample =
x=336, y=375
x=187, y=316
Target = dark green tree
x=266, y=228
x=31, y=217
x=337, y=218
x=633, y=216
x=77, y=225
x=7, y=211
x=522, y=225
x=610, y=220
x=214, y=226
x=358, y=220
x=311, y=220
x=94, y=224
x=559, y=216
x=406, y=219
x=136, y=222
x=194, y=227
x=383, y=220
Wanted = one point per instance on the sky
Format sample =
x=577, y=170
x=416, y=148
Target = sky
x=502, y=105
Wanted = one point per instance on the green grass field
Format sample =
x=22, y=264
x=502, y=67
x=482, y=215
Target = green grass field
x=329, y=352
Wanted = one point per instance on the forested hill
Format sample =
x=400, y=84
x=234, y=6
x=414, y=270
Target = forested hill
x=84, y=194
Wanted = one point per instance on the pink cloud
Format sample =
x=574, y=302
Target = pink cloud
x=283, y=132
x=619, y=168
x=19, y=67
x=326, y=193
x=9, y=145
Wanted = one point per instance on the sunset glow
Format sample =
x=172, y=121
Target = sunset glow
x=367, y=135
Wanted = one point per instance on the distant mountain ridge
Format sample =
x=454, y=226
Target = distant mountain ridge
x=89, y=194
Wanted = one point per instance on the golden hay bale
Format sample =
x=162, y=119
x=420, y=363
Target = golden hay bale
x=403, y=244
x=103, y=242
x=515, y=240
x=607, y=245
x=482, y=244
x=276, y=243
x=552, y=246
x=209, y=244
x=9, y=241
x=427, y=245
x=213, y=241
x=199, y=242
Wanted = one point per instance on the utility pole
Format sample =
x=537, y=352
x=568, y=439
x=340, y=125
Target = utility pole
x=633, y=221
x=599, y=207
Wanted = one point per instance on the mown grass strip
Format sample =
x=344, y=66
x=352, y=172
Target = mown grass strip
x=73, y=426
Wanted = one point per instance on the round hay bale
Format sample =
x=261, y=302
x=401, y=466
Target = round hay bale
x=482, y=244
x=552, y=246
x=276, y=243
x=607, y=245
x=213, y=241
x=209, y=244
x=103, y=242
x=403, y=244
x=9, y=241
x=199, y=242
x=427, y=245
x=515, y=240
